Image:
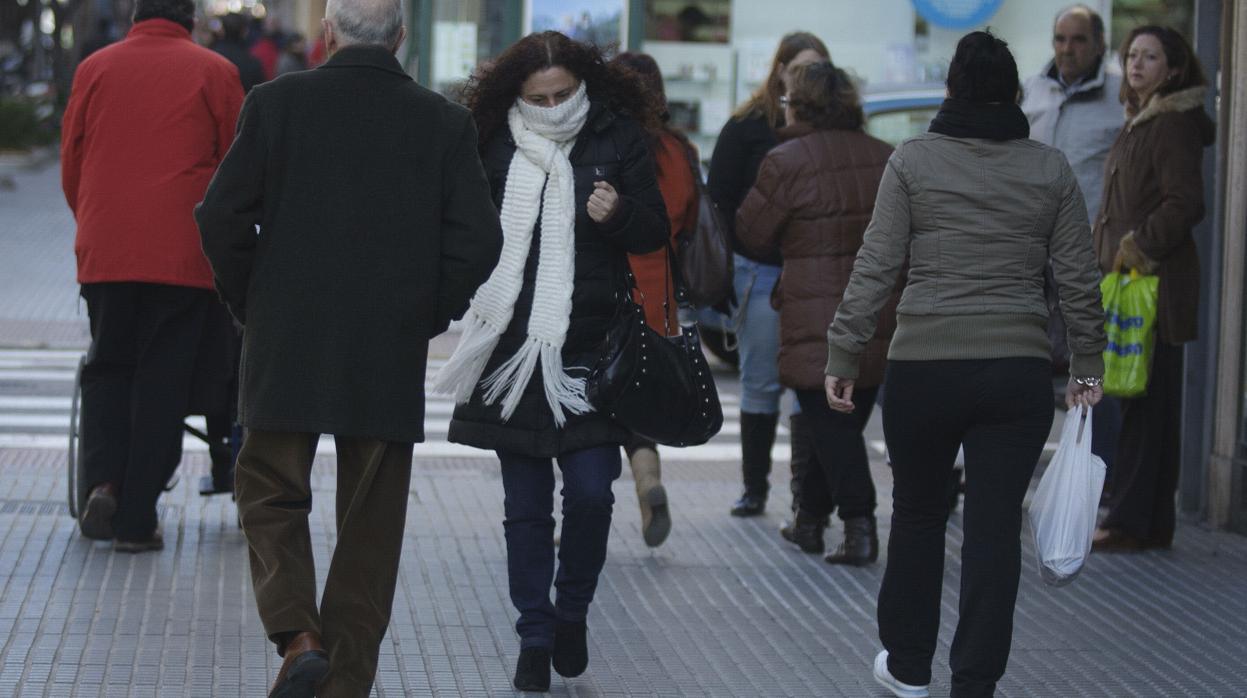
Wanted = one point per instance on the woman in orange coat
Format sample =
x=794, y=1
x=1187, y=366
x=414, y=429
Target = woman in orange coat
x=655, y=287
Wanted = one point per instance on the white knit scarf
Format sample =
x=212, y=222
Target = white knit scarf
x=543, y=138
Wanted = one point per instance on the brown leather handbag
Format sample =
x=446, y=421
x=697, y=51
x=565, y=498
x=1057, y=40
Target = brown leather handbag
x=705, y=248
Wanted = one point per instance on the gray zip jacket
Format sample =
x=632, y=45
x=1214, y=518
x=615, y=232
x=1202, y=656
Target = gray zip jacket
x=1082, y=122
x=978, y=221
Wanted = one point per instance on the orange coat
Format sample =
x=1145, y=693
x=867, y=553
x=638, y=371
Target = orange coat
x=679, y=192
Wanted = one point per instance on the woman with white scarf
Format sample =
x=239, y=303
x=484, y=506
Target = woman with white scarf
x=563, y=141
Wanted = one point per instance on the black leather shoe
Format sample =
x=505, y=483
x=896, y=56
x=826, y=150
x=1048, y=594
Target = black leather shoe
x=571, y=648
x=306, y=663
x=749, y=505
x=860, y=546
x=806, y=532
x=532, y=671
x=96, y=518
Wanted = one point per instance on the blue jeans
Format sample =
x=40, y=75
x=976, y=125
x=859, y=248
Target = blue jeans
x=529, y=504
x=757, y=332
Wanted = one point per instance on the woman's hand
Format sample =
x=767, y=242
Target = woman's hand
x=839, y=393
x=1129, y=256
x=1078, y=394
x=603, y=202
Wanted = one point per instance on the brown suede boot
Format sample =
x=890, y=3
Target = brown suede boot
x=651, y=495
x=306, y=663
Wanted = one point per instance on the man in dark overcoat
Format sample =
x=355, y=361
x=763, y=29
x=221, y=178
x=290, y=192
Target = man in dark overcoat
x=375, y=226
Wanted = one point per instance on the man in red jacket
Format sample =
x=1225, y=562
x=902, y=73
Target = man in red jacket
x=148, y=121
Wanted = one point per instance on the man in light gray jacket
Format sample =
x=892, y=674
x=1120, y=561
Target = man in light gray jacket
x=1073, y=104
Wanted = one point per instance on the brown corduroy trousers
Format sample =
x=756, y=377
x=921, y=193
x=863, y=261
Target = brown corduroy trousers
x=274, y=493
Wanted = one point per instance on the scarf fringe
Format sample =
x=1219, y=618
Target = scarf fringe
x=505, y=382
x=563, y=392
x=458, y=376
x=562, y=389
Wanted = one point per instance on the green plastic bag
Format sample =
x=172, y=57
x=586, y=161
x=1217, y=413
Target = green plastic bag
x=1130, y=323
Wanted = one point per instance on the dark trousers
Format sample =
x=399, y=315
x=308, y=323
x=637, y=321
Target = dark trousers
x=136, y=390
x=587, y=503
x=1105, y=432
x=1001, y=411
x=273, y=484
x=1149, y=453
x=840, y=472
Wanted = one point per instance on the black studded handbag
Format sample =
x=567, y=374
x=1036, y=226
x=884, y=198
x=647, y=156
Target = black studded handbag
x=660, y=388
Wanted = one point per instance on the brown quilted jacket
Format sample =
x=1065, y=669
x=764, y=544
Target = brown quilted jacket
x=813, y=198
x=1153, y=197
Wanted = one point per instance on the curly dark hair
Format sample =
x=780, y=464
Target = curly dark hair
x=825, y=97
x=494, y=88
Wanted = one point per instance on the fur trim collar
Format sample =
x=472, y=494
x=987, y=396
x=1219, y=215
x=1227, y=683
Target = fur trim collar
x=1180, y=101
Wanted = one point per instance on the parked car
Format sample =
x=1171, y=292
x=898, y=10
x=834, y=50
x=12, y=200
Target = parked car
x=898, y=113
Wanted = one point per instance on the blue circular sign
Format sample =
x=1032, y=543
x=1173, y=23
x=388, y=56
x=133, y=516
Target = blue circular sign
x=957, y=14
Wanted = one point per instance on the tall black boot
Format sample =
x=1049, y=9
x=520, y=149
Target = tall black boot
x=802, y=455
x=757, y=436
x=861, y=543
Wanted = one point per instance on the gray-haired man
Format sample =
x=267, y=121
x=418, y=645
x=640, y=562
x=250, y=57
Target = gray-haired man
x=376, y=227
x=1074, y=106
x=1073, y=103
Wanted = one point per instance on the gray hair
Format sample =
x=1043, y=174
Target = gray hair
x=376, y=22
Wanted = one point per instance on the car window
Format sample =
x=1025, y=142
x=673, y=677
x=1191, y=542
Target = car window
x=894, y=127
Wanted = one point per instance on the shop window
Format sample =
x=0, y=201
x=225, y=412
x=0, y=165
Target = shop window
x=466, y=33
x=600, y=22
x=701, y=21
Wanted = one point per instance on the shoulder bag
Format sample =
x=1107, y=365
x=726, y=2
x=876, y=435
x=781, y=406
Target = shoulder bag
x=705, y=257
x=659, y=388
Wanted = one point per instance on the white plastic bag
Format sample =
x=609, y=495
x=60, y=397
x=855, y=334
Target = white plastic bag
x=1063, y=511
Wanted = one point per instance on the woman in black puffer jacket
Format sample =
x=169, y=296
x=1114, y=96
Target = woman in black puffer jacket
x=564, y=145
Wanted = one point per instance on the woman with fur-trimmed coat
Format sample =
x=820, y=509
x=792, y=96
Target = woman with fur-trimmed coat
x=564, y=144
x=1153, y=198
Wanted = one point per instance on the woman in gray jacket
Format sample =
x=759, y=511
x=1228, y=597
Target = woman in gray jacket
x=978, y=208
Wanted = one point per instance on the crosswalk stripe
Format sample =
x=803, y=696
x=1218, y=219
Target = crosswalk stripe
x=41, y=421
x=720, y=452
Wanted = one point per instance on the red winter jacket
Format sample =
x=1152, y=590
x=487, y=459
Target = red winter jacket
x=148, y=121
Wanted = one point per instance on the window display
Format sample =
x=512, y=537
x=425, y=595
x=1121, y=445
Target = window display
x=600, y=22
x=707, y=21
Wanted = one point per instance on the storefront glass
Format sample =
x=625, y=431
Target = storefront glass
x=466, y=33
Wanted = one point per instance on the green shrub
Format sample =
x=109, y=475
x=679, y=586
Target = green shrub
x=20, y=125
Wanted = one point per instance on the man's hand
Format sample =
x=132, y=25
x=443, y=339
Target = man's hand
x=839, y=393
x=603, y=202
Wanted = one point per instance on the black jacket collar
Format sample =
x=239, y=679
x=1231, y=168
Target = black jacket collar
x=366, y=57
x=600, y=116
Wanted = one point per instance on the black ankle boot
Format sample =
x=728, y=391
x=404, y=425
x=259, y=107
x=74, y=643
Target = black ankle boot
x=860, y=546
x=532, y=671
x=806, y=531
x=571, y=648
x=757, y=436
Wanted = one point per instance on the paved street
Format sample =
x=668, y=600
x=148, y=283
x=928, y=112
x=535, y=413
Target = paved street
x=722, y=609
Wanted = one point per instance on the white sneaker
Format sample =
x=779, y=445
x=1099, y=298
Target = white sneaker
x=888, y=681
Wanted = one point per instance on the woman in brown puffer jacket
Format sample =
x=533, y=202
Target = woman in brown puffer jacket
x=811, y=203
x=1153, y=197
